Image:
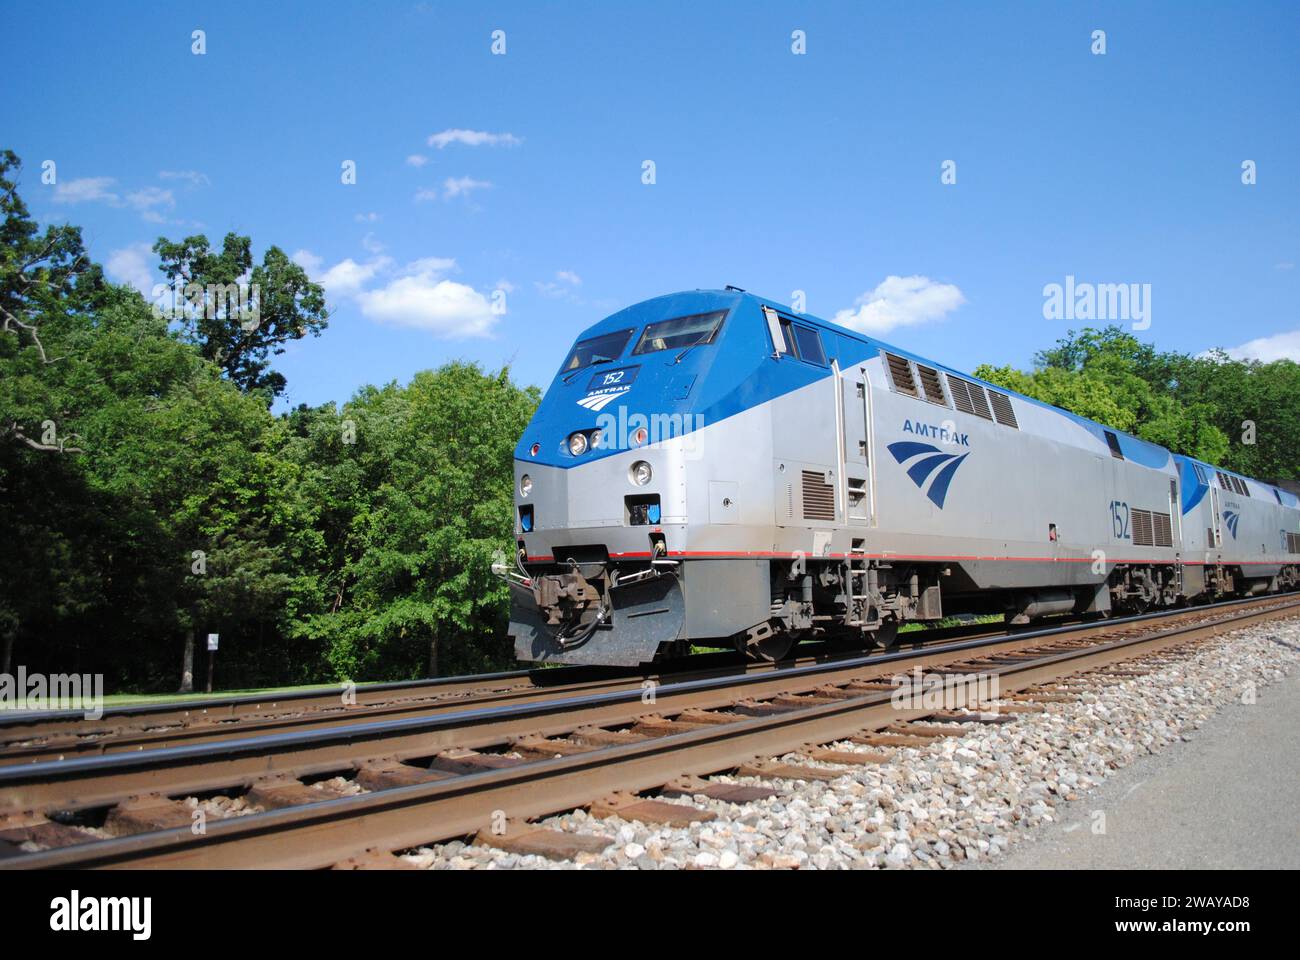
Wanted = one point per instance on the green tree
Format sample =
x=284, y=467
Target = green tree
x=240, y=314
x=418, y=505
x=1233, y=413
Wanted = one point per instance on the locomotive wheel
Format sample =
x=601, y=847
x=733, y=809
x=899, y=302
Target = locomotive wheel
x=773, y=647
x=885, y=637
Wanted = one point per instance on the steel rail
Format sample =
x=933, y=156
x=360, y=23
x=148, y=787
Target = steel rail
x=87, y=782
x=36, y=737
x=330, y=831
x=91, y=782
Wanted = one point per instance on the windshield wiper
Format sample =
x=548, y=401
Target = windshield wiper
x=595, y=361
x=702, y=339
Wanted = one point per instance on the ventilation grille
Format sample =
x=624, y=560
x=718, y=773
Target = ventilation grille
x=818, y=497
x=1293, y=543
x=1142, y=529
x=969, y=398
x=900, y=371
x=1002, y=410
x=932, y=385
x=1152, y=529
x=1164, y=531
x=960, y=395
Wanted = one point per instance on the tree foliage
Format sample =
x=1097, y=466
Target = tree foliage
x=240, y=314
x=148, y=494
x=1239, y=414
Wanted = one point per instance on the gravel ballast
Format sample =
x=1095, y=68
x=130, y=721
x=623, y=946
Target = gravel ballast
x=962, y=800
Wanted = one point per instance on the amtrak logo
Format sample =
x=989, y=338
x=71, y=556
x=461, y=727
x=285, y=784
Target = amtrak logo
x=927, y=460
x=608, y=386
x=1230, y=517
x=599, y=401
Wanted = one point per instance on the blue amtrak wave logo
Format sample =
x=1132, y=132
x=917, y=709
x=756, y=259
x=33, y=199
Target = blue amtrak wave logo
x=928, y=459
x=1230, y=517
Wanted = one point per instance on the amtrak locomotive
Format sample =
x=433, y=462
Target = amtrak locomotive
x=713, y=468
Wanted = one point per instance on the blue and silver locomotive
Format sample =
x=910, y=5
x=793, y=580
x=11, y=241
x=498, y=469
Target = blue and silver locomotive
x=713, y=468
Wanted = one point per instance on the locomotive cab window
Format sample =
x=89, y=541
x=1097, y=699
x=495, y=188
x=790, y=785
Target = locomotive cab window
x=602, y=349
x=809, y=343
x=680, y=333
x=802, y=343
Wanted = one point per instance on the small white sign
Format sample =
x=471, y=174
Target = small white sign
x=212, y=640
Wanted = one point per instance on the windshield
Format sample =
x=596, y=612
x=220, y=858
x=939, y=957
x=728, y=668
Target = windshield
x=605, y=347
x=680, y=333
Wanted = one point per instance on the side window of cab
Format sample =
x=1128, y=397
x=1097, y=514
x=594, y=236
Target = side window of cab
x=803, y=342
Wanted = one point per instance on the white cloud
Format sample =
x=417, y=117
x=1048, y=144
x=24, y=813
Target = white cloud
x=473, y=138
x=900, y=302
x=308, y=261
x=194, y=177
x=1280, y=346
x=1284, y=265
x=85, y=189
x=346, y=278
x=150, y=201
x=421, y=297
x=370, y=244
x=418, y=295
x=561, y=286
x=462, y=186
x=371, y=217
x=133, y=265
x=417, y=160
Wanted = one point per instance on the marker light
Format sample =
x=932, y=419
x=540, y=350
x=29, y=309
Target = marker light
x=535, y=449
x=640, y=473
x=525, y=485
x=577, y=444
x=639, y=436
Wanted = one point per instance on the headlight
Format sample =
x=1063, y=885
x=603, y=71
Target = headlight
x=640, y=473
x=577, y=444
x=525, y=485
x=595, y=439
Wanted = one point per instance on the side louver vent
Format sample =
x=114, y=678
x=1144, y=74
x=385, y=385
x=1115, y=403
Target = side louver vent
x=1293, y=543
x=818, y=497
x=969, y=397
x=1164, y=532
x=1002, y=409
x=900, y=372
x=931, y=385
x=1142, y=529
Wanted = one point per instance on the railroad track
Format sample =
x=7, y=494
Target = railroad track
x=357, y=793
x=67, y=734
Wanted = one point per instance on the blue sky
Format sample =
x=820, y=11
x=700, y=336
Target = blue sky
x=774, y=171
